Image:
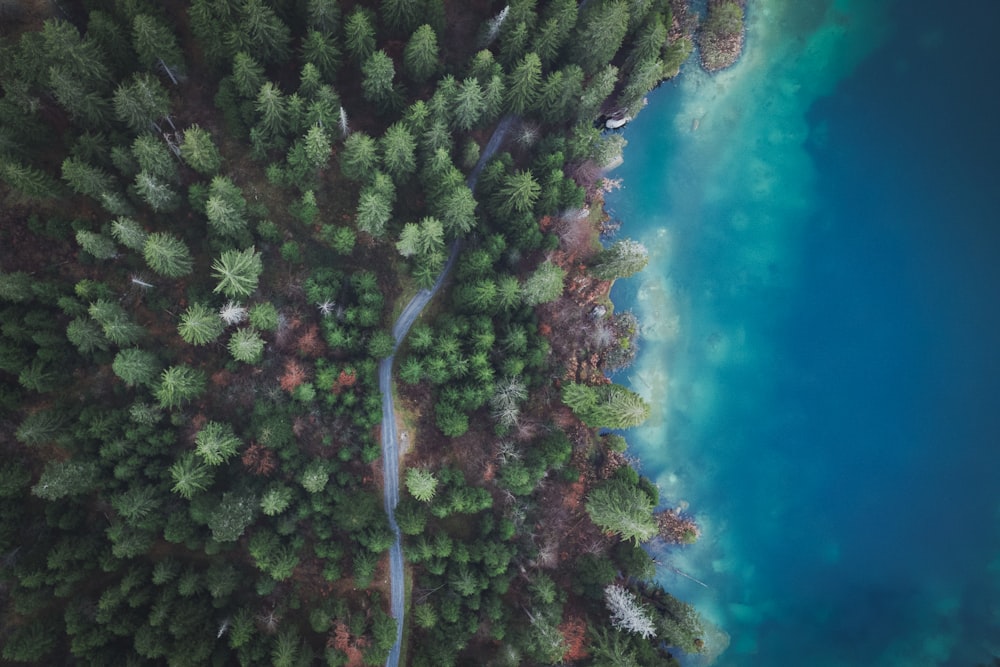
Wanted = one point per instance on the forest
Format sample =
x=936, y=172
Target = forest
x=211, y=214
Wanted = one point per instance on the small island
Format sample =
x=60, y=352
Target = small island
x=720, y=36
x=215, y=216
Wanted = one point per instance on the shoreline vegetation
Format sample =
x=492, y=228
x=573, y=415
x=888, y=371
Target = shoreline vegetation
x=720, y=36
x=211, y=210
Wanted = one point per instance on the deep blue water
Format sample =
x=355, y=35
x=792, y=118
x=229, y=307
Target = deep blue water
x=821, y=319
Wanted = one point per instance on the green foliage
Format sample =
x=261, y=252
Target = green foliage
x=232, y=516
x=199, y=151
x=191, y=476
x=200, y=324
x=264, y=316
x=167, y=255
x=178, y=385
x=136, y=367
x=722, y=25
x=359, y=156
x=140, y=102
x=359, y=35
x=66, y=478
x=216, y=443
x=421, y=483
x=623, y=509
x=518, y=193
x=238, y=272
x=621, y=260
x=377, y=86
x=600, y=33
x=129, y=233
x=545, y=284
x=606, y=406
x=420, y=58
x=398, y=151
x=523, y=84
x=276, y=499
x=246, y=345
x=118, y=327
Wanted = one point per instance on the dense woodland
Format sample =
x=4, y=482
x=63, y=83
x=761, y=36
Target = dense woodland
x=212, y=213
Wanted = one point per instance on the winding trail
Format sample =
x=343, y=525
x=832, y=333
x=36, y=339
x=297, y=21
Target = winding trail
x=390, y=438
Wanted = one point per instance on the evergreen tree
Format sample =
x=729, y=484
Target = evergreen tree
x=154, y=43
x=86, y=179
x=359, y=35
x=523, y=83
x=154, y=158
x=627, y=613
x=28, y=180
x=129, y=233
x=259, y=31
x=96, y=245
x=248, y=75
x=420, y=58
x=377, y=85
x=200, y=152
x=323, y=15
x=140, y=102
x=200, y=325
x=623, y=259
x=320, y=50
x=398, y=151
x=238, y=272
x=272, y=108
x=317, y=147
x=86, y=335
x=560, y=94
x=232, y=516
x=359, y=156
x=178, y=385
x=226, y=208
x=216, y=443
x=118, y=327
x=246, y=345
x=421, y=483
x=400, y=15
x=470, y=104
x=136, y=366
x=624, y=509
x=156, y=192
x=518, y=193
x=600, y=34
x=545, y=284
x=191, y=476
x=167, y=255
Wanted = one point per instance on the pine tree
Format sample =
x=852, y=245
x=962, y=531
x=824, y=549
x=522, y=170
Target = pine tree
x=200, y=325
x=155, y=43
x=86, y=179
x=359, y=156
x=600, y=34
x=167, y=255
x=623, y=259
x=178, y=385
x=248, y=75
x=323, y=15
x=238, y=272
x=421, y=483
x=246, y=345
x=359, y=35
x=420, y=58
x=599, y=88
x=400, y=15
x=136, y=366
x=226, y=208
x=470, y=104
x=129, y=233
x=28, y=180
x=560, y=94
x=118, y=327
x=232, y=516
x=191, y=476
x=154, y=158
x=317, y=147
x=545, y=284
x=624, y=509
x=86, y=335
x=200, y=152
x=216, y=443
x=320, y=50
x=276, y=500
x=259, y=31
x=523, y=83
x=140, y=102
x=518, y=193
x=377, y=85
x=627, y=613
x=96, y=245
x=272, y=108
x=398, y=151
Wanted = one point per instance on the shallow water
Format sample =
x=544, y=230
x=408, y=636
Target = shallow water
x=820, y=317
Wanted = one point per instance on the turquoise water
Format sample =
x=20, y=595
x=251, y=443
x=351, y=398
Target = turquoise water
x=820, y=320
